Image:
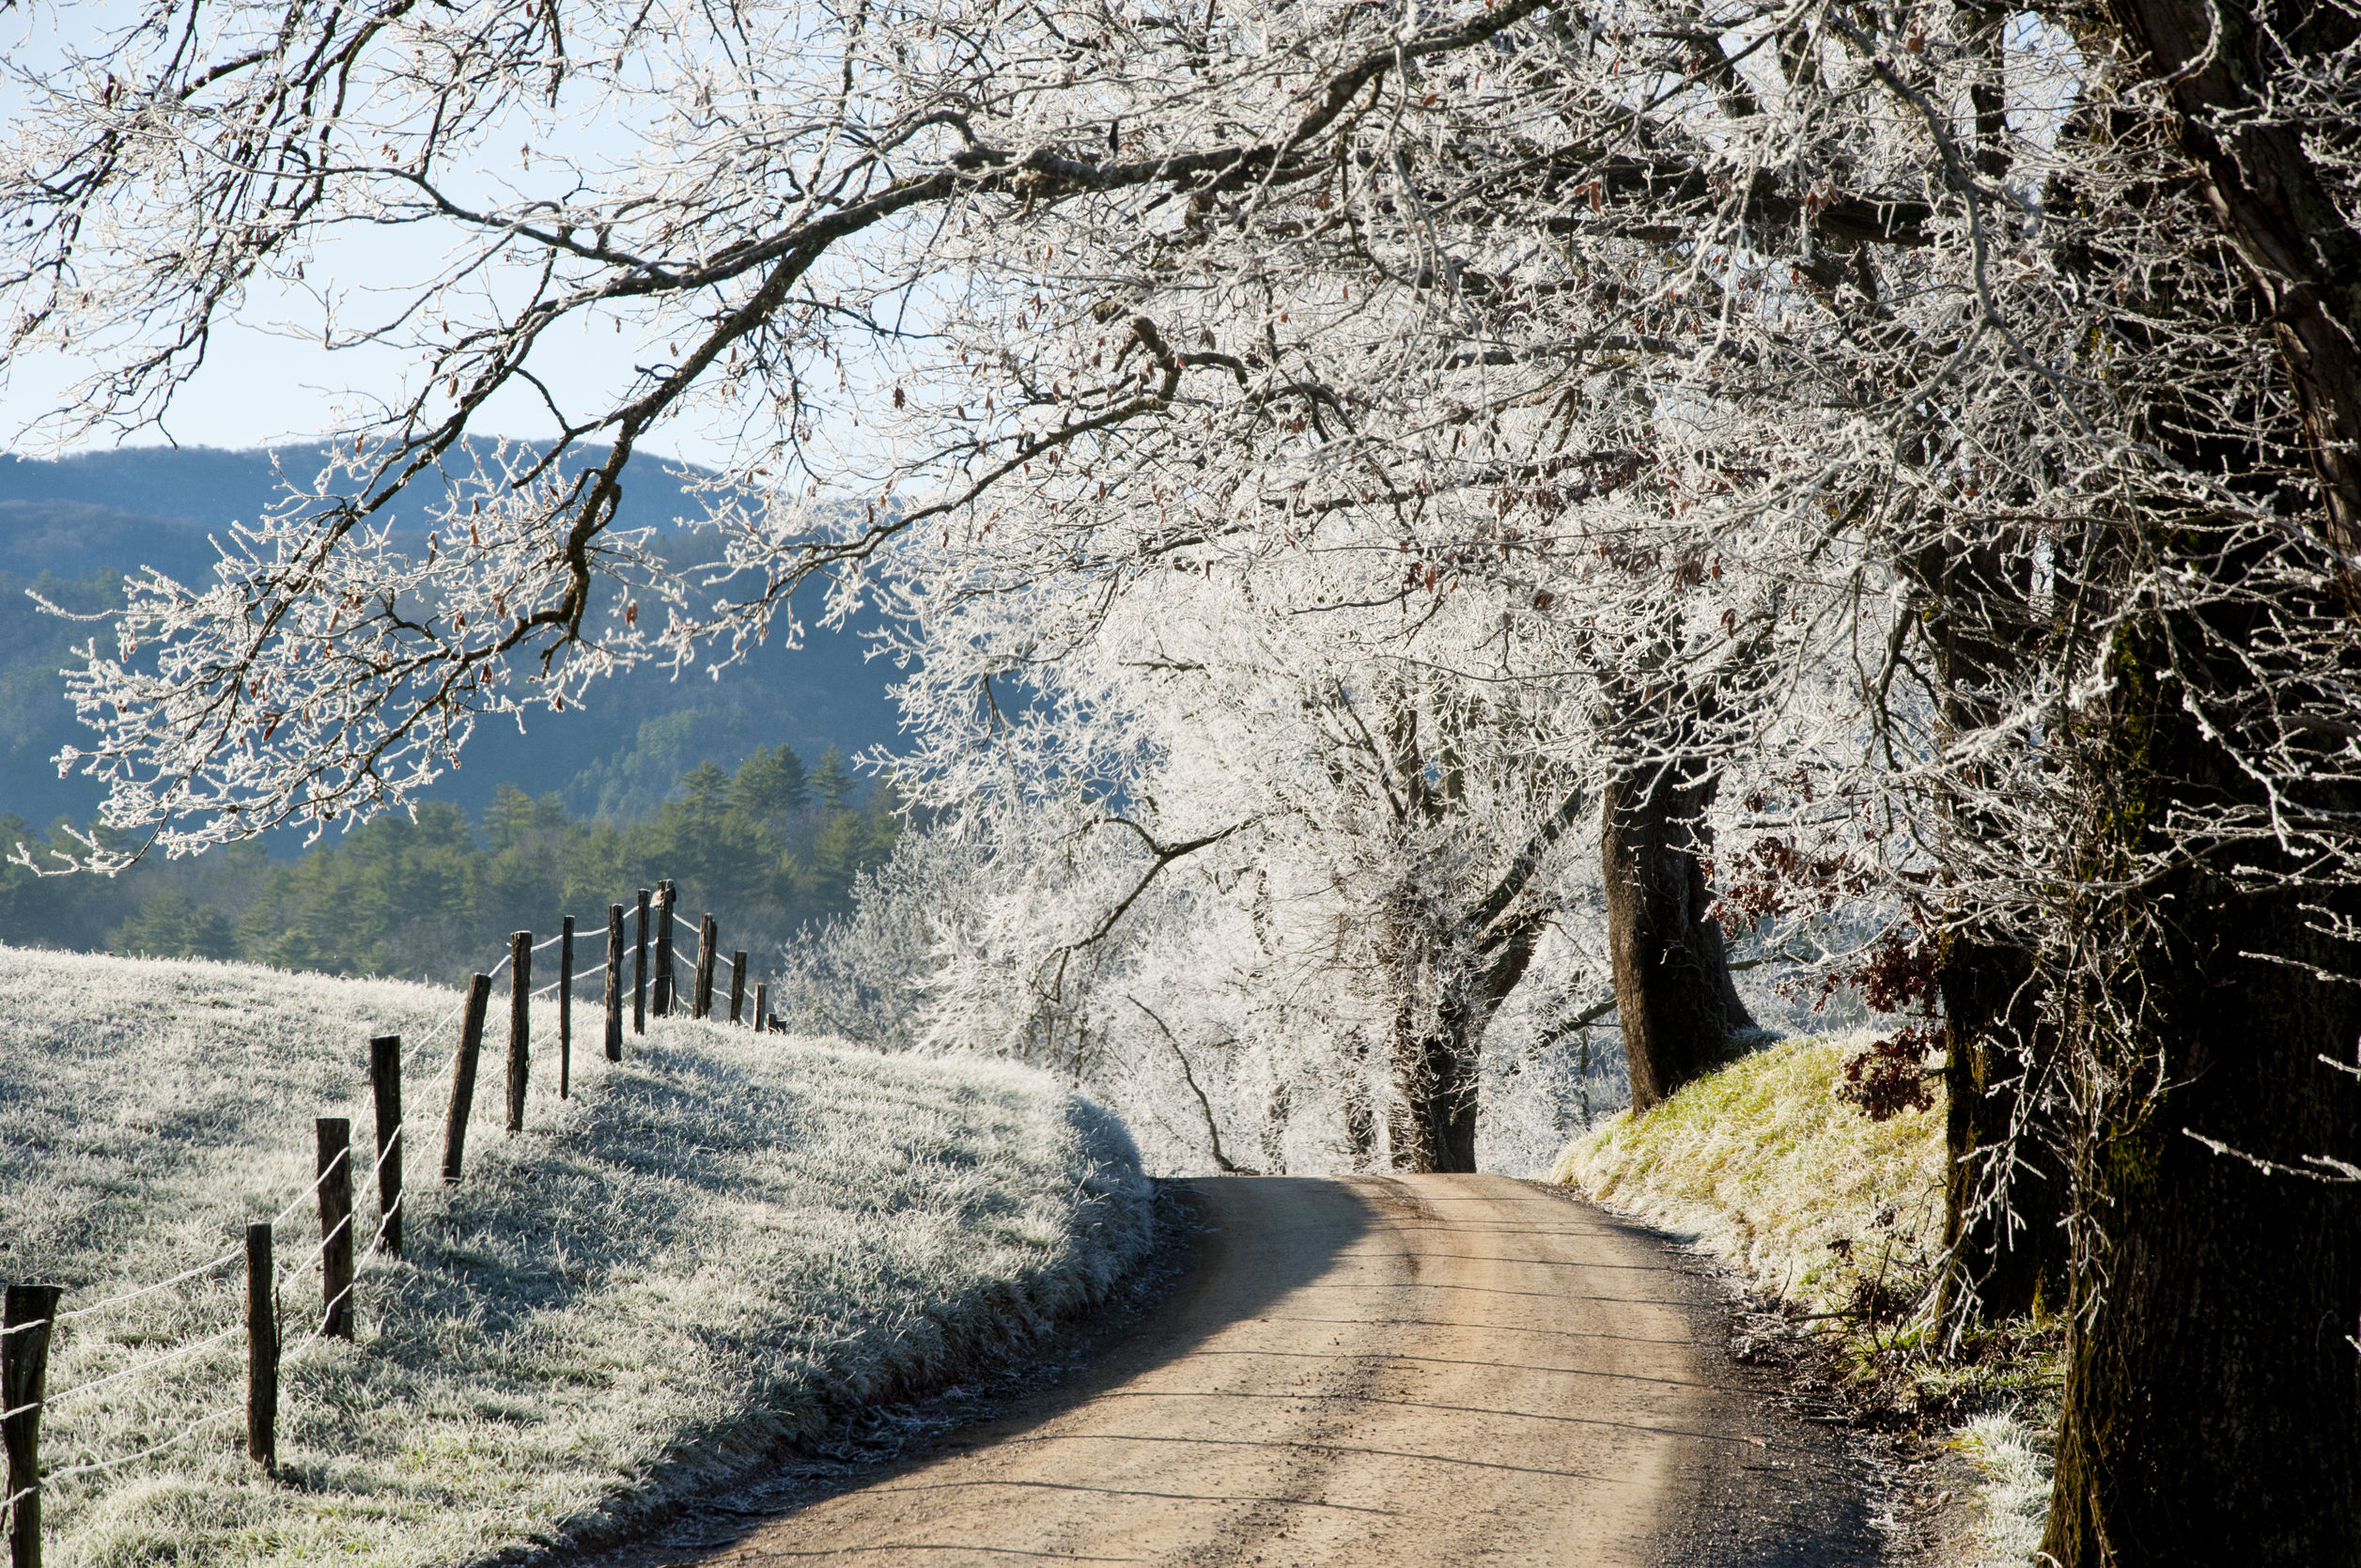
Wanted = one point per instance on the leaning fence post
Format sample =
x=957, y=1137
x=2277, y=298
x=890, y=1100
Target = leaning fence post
x=738, y=984
x=479, y=996
x=664, y=917
x=708, y=938
x=614, y=982
x=335, y=1225
x=520, y=1024
x=26, y=1315
x=564, y=1005
x=639, y=973
x=262, y=1352
x=385, y=1084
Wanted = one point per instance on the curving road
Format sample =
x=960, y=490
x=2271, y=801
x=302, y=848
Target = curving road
x=1423, y=1370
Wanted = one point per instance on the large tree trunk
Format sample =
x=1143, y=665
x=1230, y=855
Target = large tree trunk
x=1433, y=1126
x=1673, y=994
x=1436, y=1056
x=2212, y=1391
x=1468, y=970
x=2212, y=1403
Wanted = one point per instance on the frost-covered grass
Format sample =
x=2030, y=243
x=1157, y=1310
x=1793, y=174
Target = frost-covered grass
x=1775, y=1174
x=2015, y=1491
x=702, y=1257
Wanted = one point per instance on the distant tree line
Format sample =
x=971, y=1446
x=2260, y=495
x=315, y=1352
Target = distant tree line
x=766, y=848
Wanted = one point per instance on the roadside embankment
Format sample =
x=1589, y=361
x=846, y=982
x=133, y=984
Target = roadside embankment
x=1838, y=1220
x=701, y=1257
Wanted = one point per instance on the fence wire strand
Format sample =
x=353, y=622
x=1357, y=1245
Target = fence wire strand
x=230, y=1256
x=180, y=1436
x=173, y=1354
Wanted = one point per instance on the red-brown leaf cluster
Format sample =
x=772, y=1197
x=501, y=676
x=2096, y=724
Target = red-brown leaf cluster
x=1891, y=1077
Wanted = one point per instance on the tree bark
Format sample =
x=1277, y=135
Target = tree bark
x=2212, y=1402
x=1435, y=1126
x=1437, y=1064
x=2004, y=1188
x=1673, y=993
x=1468, y=967
x=2212, y=1391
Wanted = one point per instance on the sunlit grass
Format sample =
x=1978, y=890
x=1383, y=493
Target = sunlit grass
x=1770, y=1170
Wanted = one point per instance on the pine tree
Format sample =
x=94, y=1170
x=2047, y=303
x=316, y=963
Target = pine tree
x=834, y=782
x=770, y=786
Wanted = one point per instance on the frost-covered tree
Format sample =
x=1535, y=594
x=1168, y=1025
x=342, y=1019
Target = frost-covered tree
x=1383, y=797
x=2003, y=361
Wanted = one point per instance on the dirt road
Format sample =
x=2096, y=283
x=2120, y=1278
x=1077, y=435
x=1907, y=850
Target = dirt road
x=1437, y=1370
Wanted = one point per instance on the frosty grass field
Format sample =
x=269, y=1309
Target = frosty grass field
x=692, y=1262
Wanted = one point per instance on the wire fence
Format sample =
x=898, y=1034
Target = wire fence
x=29, y=1313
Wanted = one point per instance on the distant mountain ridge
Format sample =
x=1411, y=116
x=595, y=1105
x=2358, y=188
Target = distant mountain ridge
x=74, y=527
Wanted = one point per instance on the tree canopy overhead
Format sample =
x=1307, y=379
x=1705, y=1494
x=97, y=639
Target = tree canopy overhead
x=1357, y=440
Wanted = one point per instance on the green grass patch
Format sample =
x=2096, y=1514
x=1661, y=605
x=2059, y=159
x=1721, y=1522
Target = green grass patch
x=1840, y=1218
x=1766, y=1168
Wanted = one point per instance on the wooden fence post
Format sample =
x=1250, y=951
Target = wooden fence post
x=26, y=1315
x=614, y=982
x=385, y=1085
x=335, y=1225
x=708, y=938
x=737, y=985
x=664, y=917
x=262, y=1352
x=762, y=1006
x=520, y=1024
x=564, y=1006
x=639, y=973
x=479, y=996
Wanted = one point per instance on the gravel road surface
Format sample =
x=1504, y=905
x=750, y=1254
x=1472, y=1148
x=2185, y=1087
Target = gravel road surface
x=1380, y=1370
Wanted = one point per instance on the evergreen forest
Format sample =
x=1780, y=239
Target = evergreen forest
x=768, y=848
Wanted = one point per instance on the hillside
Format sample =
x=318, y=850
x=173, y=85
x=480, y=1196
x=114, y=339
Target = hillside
x=701, y=1255
x=72, y=528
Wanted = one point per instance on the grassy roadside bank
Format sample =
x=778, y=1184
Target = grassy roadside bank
x=1838, y=1221
x=702, y=1257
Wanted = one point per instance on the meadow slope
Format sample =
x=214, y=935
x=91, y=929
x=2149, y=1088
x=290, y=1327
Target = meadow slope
x=704, y=1254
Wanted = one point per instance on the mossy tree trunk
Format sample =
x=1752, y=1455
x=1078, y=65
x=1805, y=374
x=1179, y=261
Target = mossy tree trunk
x=2212, y=1402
